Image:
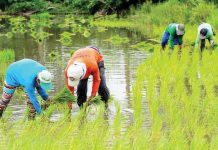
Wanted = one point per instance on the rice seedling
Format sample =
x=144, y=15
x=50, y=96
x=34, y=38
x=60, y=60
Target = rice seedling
x=65, y=38
x=7, y=56
x=144, y=46
x=18, y=24
x=87, y=33
x=180, y=89
x=181, y=102
x=69, y=20
x=101, y=29
x=64, y=96
x=40, y=36
x=117, y=40
x=9, y=35
x=40, y=20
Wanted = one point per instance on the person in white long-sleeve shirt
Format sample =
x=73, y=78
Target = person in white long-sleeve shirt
x=205, y=31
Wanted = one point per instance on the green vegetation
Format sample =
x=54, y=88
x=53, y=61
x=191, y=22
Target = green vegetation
x=144, y=46
x=117, y=40
x=65, y=38
x=181, y=91
x=64, y=134
x=14, y=6
x=66, y=6
x=182, y=102
x=37, y=25
x=181, y=87
x=151, y=20
x=64, y=95
x=7, y=56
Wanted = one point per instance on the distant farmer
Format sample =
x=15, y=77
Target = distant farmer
x=30, y=75
x=174, y=33
x=205, y=31
x=85, y=62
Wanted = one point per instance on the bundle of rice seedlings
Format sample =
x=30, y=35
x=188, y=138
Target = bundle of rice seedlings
x=96, y=100
x=63, y=96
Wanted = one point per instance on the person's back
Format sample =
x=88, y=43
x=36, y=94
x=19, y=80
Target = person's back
x=89, y=57
x=86, y=55
x=171, y=29
x=23, y=72
x=174, y=33
x=85, y=62
x=32, y=76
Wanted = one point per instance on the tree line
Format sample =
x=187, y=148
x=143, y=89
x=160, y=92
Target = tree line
x=81, y=6
x=70, y=6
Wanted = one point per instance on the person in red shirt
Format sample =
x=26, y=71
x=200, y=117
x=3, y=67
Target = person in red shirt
x=83, y=63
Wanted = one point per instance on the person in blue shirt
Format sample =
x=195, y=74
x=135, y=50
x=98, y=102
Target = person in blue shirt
x=30, y=75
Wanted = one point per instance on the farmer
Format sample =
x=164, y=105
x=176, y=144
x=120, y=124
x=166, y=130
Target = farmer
x=85, y=62
x=205, y=31
x=174, y=32
x=30, y=75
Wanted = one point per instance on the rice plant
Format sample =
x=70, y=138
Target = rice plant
x=182, y=99
x=117, y=40
x=7, y=56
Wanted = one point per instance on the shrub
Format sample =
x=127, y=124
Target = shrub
x=25, y=6
x=201, y=12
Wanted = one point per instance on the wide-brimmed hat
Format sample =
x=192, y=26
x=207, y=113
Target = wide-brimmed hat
x=180, y=29
x=75, y=73
x=45, y=79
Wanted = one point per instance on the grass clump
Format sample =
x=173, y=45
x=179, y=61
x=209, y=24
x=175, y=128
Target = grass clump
x=144, y=46
x=66, y=38
x=7, y=56
x=117, y=40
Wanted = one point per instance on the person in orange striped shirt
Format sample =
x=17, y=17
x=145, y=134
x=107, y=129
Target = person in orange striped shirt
x=83, y=63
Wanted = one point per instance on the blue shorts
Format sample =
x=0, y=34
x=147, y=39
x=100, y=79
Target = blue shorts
x=166, y=37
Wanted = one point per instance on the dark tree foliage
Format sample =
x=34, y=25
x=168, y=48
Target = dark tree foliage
x=78, y=6
x=157, y=1
x=103, y=6
x=214, y=1
x=3, y=4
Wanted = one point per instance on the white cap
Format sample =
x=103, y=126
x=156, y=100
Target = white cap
x=180, y=28
x=77, y=70
x=45, y=79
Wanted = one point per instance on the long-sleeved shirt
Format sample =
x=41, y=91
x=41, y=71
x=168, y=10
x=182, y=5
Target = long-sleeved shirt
x=209, y=34
x=90, y=58
x=24, y=73
x=171, y=29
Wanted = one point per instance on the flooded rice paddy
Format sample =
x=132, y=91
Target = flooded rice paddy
x=51, y=41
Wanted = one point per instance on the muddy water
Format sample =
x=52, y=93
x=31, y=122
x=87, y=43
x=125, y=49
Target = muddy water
x=120, y=62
